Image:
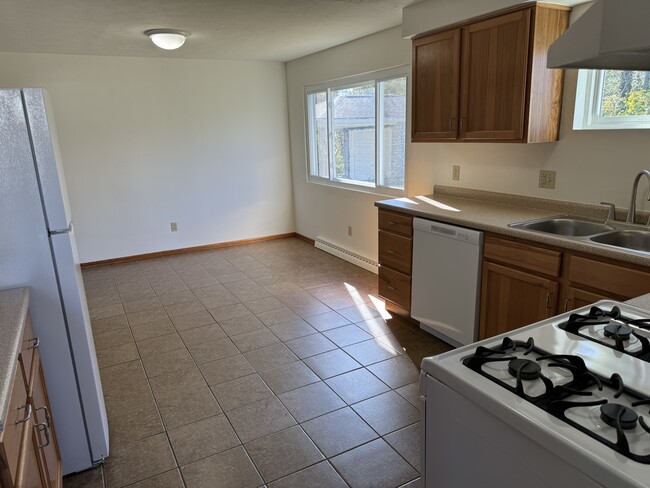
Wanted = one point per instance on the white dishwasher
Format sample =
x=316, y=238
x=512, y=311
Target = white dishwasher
x=446, y=280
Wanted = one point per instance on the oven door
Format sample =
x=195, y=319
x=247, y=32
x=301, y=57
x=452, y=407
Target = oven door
x=464, y=445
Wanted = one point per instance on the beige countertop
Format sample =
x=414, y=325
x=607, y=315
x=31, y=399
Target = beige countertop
x=494, y=212
x=13, y=314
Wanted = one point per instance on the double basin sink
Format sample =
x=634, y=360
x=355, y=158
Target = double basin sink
x=617, y=234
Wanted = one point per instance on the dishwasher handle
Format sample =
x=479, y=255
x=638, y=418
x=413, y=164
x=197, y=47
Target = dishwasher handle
x=469, y=236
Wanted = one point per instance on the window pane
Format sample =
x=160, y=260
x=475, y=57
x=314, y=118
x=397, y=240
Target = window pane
x=625, y=94
x=353, y=119
x=318, y=137
x=393, y=143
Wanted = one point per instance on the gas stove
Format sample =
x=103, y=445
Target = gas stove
x=577, y=386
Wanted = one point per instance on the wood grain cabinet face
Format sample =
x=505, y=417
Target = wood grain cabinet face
x=436, y=79
x=511, y=299
x=493, y=85
x=495, y=70
x=395, y=258
x=29, y=453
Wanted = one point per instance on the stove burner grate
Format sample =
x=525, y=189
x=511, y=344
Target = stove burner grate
x=616, y=326
x=558, y=399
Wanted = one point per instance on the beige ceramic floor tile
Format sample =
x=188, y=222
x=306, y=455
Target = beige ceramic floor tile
x=155, y=328
x=256, y=339
x=283, y=453
x=370, y=352
x=189, y=321
x=346, y=335
x=167, y=362
x=407, y=443
x=374, y=464
x=339, y=431
x=327, y=320
x=204, y=352
x=190, y=406
x=169, y=479
x=270, y=357
x=241, y=391
x=310, y=345
x=289, y=377
x=177, y=382
x=320, y=475
x=227, y=369
x=117, y=355
x=204, y=333
x=109, y=324
x=138, y=460
x=161, y=344
x=396, y=372
x=202, y=439
x=311, y=401
x=260, y=419
x=293, y=330
x=357, y=385
x=387, y=412
x=228, y=469
x=331, y=363
x=115, y=338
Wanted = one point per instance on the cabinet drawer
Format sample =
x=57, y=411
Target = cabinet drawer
x=396, y=223
x=395, y=251
x=622, y=282
x=395, y=286
x=524, y=256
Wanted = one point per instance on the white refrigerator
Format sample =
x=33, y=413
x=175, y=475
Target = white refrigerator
x=37, y=249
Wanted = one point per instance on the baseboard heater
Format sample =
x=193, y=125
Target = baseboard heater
x=349, y=256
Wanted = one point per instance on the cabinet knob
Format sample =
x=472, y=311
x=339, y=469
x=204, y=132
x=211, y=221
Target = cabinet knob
x=462, y=123
x=36, y=341
x=548, y=300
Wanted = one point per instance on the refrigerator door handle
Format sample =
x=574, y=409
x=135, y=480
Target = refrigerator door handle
x=55, y=232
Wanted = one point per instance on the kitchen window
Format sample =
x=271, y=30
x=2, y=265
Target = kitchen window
x=611, y=99
x=356, y=132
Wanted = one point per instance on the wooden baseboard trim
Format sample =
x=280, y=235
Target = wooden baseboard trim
x=306, y=239
x=159, y=254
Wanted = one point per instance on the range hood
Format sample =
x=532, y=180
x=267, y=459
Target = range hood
x=611, y=34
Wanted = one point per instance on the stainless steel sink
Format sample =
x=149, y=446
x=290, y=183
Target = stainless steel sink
x=566, y=226
x=637, y=240
x=630, y=237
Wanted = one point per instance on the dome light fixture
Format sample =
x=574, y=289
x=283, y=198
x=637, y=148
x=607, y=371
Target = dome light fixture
x=167, y=38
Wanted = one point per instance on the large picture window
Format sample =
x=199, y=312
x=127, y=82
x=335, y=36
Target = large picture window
x=611, y=99
x=356, y=132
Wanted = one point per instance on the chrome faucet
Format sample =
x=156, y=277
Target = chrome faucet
x=631, y=213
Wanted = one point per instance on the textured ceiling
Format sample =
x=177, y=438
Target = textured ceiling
x=269, y=30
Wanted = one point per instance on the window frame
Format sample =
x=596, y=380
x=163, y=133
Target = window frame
x=589, y=92
x=377, y=77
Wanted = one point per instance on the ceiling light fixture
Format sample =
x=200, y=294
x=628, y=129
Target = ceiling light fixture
x=167, y=38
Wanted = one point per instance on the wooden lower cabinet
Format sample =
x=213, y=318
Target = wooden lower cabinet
x=576, y=298
x=29, y=453
x=511, y=299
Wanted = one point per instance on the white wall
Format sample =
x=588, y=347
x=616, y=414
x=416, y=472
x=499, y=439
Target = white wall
x=149, y=141
x=591, y=166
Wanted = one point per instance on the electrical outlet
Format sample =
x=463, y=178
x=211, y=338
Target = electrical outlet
x=350, y=230
x=547, y=179
x=174, y=226
x=455, y=172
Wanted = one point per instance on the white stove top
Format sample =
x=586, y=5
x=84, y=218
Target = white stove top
x=600, y=461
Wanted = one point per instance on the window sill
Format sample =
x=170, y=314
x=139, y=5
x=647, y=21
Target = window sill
x=381, y=191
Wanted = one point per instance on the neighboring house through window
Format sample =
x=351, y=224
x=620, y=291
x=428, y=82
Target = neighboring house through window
x=610, y=99
x=356, y=132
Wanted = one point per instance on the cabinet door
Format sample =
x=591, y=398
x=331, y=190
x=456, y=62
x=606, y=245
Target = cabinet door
x=436, y=67
x=576, y=298
x=511, y=299
x=29, y=474
x=44, y=433
x=494, y=80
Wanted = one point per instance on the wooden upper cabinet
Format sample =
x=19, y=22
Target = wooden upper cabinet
x=436, y=78
x=495, y=67
x=496, y=86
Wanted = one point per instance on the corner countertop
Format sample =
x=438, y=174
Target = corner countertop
x=13, y=314
x=494, y=212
